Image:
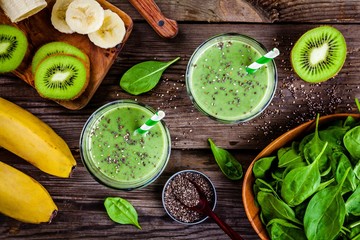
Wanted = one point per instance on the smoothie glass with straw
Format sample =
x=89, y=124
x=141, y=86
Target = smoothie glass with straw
x=231, y=78
x=125, y=145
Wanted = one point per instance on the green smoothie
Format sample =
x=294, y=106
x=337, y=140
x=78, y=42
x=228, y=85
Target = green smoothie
x=219, y=85
x=116, y=154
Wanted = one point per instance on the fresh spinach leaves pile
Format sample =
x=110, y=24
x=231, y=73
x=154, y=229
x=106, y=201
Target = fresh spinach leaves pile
x=311, y=189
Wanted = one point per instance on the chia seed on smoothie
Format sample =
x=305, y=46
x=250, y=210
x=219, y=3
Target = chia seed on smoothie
x=219, y=85
x=118, y=156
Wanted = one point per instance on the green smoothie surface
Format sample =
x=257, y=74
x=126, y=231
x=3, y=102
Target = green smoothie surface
x=219, y=84
x=119, y=153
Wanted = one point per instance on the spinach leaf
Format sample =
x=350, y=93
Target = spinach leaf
x=352, y=204
x=354, y=231
x=293, y=166
x=343, y=163
x=350, y=122
x=313, y=148
x=289, y=156
x=281, y=229
x=272, y=207
x=352, y=142
x=325, y=213
x=334, y=136
x=300, y=183
x=144, y=76
x=357, y=103
x=357, y=170
x=325, y=184
x=304, y=141
x=262, y=165
x=229, y=166
x=121, y=211
x=265, y=187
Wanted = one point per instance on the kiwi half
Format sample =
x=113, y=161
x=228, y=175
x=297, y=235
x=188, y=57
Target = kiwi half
x=61, y=77
x=54, y=48
x=13, y=47
x=319, y=54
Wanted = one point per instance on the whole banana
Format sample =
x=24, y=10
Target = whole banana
x=31, y=139
x=23, y=198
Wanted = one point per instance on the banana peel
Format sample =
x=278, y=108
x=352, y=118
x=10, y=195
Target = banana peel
x=27, y=136
x=23, y=198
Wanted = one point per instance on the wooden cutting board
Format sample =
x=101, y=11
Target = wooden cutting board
x=39, y=31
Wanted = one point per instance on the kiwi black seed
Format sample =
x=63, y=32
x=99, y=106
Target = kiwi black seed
x=54, y=48
x=61, y=77
x=319, y=54
x=13, y=47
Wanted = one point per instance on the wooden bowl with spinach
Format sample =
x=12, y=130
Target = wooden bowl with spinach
x=306, y=183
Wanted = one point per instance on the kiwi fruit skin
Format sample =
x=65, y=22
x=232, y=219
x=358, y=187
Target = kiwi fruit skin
x=13, y=47
x=54, y=48
x=323, y=38
x=77, y=74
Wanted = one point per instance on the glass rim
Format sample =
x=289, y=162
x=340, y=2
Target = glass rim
x=102, y=178
x=247, y=38
x=202, y=219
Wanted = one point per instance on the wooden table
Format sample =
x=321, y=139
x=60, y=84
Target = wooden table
x=273, y=23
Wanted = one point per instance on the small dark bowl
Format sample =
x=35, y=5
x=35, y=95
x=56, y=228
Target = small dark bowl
x=213, y=200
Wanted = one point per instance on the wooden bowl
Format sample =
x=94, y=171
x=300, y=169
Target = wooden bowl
x=252, y=211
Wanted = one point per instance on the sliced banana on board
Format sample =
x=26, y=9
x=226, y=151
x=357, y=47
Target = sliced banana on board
x=84, y=16
x=111, y=33
x=19, y=10
x=58, y=14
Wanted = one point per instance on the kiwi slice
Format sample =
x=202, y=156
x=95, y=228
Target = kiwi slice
x=13, y=47
x=61, y=77
x=319, y=54
x=54, y=48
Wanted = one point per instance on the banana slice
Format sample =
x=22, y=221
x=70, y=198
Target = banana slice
x=20, y=10
x=111, y=33
x=58, y=14
x=84, y=16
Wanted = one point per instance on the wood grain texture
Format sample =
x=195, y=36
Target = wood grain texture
x=165, y=27
x=82, y=214
x=306, y=11
x=39, y=31
x=80, y=198
x=295, y=101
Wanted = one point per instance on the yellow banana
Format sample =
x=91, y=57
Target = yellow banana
x=23, y=198
x=31, y=139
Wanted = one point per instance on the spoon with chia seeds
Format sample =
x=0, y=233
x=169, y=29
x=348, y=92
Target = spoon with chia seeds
x=198, y=202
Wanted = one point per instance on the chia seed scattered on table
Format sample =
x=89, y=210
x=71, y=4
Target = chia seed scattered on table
x=181, y=194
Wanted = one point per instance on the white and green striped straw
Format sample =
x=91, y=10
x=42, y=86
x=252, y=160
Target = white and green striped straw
x=263, y=60
x=151, y=122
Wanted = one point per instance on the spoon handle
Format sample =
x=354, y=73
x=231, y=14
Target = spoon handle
x=226, y=228
x=165, y=27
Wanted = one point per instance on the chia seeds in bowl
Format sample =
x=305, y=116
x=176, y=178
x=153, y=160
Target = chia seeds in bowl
x=179, y=195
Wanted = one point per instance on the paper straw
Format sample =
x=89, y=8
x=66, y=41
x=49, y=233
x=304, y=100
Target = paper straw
x=151, y=122
x=261, y=61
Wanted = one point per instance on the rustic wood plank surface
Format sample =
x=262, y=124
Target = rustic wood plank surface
x=273, y=23
x=310, y=11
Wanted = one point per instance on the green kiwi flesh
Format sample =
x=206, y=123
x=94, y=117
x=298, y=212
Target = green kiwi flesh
x=13, y=47
x=61, y=77
x=319, y=54
x=54, y=48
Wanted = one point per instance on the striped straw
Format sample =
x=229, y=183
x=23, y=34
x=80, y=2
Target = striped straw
x=151, y=122
x=261, y=61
